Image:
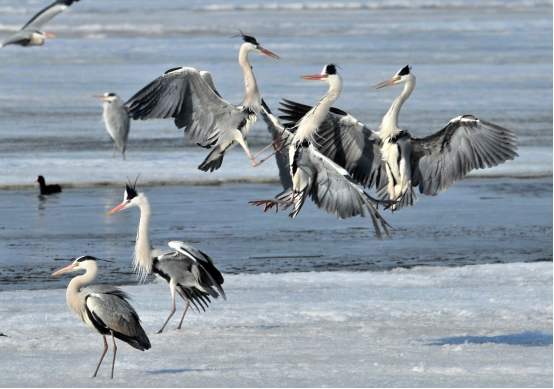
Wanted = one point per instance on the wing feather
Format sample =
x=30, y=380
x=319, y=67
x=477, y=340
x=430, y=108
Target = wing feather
x=46, y=14
x=465, y=144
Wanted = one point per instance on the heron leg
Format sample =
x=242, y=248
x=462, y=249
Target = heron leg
x=114, y=352
x=268, y=204
x=114, y=150
x=124, y=156
x=278, y=149
x=186, y=308
x=172, y=309
x=102, y=357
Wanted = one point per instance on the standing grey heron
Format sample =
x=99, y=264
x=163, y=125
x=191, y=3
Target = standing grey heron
x=189, y=271
x=329, y=185
x=116, y=119
x=187, y=96
x=31, y=33
x=397, y=162
x=104, y=308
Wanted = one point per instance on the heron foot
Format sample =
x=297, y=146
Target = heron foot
x=268, y=204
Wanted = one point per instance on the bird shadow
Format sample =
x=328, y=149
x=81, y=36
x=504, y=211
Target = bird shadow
x=526, y=338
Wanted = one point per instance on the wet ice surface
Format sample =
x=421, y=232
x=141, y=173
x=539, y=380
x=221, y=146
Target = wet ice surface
x=477, y=221
x=472, y=326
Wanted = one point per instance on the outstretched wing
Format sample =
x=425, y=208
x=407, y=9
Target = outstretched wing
x=346, y=141
x=207, y=77
x=47, y=14
x=466, y=143
x=183, y=94
x=334, y=191
x=278, y=131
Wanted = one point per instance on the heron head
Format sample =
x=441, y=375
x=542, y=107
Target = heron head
x=252, y=44
x=83, y=262
x=130, y=199
x=107, y=97
x=401, y=77
x=329, y=75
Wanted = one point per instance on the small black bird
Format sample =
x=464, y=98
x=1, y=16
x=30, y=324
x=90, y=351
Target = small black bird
x=47, y=189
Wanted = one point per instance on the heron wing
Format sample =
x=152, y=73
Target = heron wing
x=110, y=309
x=118, y=123
x=46, y=14
x=334, y=191
x=278, y=131
x=207, y=77
x=466, y=143
x=183, y=94
x=346, y=141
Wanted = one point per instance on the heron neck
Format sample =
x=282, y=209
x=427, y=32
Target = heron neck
x=389, y=126
x=74, y=287
x=142, y=258
x=252, y=98
x=309, y=124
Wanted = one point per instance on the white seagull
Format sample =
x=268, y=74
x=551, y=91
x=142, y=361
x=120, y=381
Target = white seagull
x=31, y=34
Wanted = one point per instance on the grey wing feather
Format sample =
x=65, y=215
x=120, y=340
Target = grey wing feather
x=109, y=304
x=466, y=143
x=46, y=14
x=207, y=77
x=182, y=94
x=334, y=191
x=118, y=124
x=347, y=142
x=277, y=131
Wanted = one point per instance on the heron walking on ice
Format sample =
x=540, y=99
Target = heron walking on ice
x=189, y=271
x=116, y=119
x=191, y=99
x=329, y=185
x=104, y=308
x=31, y=33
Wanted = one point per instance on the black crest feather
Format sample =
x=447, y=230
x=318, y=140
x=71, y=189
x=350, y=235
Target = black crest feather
x=405, y=70
x=247, y=38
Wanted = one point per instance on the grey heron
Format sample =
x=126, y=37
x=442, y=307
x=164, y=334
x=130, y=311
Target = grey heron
x=187, y=96
x=104, y=308
x=189, y=272
x=397, y=162
x=116, y=119
x=47, y=189
x=329, y=185
x=31, y=33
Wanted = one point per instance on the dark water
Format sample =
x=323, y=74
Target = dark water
x=477, y=221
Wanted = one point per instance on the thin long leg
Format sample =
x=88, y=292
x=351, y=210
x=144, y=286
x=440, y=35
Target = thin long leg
x=278, y=149
x=114, y=150
x=274, y=143
x=187, y=307
x=172, y=309
x=124, y=156
x=114, y=352
x=102, y=357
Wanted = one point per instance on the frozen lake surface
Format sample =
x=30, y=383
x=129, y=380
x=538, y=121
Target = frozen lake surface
x=472, y=326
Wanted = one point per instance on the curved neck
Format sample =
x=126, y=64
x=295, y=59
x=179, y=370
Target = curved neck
x=389, y=126
x=142, y=258
x=75, y=285
x=252, y=98
x=309, y=124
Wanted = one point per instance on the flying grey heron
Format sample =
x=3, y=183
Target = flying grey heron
x=329, y=185
x=47, y=189
x=104, y=308
x=31, y=33
x=189, y=271
x=116, y=119
x=187, y=96
x=397, y=162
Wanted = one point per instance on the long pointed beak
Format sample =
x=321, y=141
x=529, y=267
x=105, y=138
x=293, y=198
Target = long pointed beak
x=49, y=35
x=65, y=269
x=317, y=77
x=98, y=96
x=386, y=83
x=118, y=208
x=269, y=53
